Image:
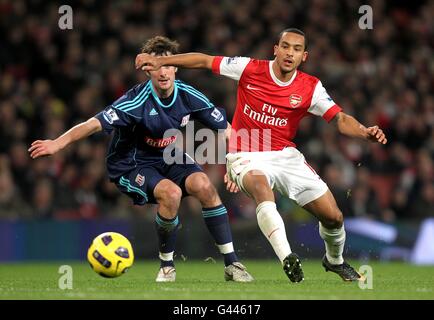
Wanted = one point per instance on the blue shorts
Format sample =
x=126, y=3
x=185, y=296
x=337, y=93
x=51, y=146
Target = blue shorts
x=139, y=184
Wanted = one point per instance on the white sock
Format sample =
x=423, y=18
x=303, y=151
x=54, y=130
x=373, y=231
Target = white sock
x=334, y=240
x=271, y=224
x=166, y=256
x=226, y=248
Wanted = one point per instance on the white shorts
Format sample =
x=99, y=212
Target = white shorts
x=287, y=172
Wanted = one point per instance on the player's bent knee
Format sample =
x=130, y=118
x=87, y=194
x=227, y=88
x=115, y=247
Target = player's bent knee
x=256, y=183
x=199, y=184
x=170, y=196
x=206, y=191
x=335, y=221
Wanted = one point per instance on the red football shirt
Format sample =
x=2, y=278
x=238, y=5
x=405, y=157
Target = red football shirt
x=268, y=110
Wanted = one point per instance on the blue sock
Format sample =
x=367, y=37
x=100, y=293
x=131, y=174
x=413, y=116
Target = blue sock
x=217, y=222
x=166, y=230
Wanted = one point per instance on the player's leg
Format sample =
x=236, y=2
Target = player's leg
x=168, y=196
x=216, y=219
x=271, y=223
x=332, y=231
x=147, y=185
x=214, y=213
x=269, y=220
x=331, y=226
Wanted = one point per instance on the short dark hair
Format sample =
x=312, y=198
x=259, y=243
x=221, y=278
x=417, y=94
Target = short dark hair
x=293, y=30
x=160, y=46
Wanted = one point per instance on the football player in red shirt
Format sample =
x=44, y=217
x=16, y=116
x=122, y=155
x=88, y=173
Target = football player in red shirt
x=272, y=97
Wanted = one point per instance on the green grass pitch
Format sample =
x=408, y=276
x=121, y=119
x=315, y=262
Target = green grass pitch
x=204, y=280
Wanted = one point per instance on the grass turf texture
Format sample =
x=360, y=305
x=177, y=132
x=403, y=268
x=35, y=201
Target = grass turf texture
x=204, y=280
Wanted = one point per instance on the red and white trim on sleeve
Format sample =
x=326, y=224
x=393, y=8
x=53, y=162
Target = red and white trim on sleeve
x=322, y=104
x=216, y=64
x=331, y=113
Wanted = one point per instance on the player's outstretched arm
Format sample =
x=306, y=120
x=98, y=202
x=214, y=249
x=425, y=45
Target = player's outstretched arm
x=41, y=148
x=349, y=126
x=192, y=60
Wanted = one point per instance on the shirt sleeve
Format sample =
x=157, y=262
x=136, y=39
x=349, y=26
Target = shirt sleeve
x=112, y=118
x=213, y=118
x=125, y=111
x=322, y=104
x=231, y=67
x=203, y=109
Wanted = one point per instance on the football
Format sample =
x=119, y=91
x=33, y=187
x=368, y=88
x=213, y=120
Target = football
x=110, y=254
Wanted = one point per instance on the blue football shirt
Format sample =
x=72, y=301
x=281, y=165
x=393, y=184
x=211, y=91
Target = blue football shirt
x=140, y=119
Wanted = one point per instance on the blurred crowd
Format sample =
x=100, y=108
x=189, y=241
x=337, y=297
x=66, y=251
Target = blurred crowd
x=52, y=79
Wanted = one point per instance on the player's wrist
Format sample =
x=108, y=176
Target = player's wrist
x=60, y=143
x=364, y=132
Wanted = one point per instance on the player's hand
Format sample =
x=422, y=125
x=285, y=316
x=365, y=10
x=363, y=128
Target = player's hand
x=230, y=185
x=147, y=62
x=375, y=134
x=41, y=148
x=228, y=132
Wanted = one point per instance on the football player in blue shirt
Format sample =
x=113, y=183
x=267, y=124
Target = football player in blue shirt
x=135, y=162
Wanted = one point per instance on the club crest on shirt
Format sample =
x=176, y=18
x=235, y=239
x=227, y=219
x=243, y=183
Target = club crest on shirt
x=185, y=120
x=110, y=115
x=140, y=180
x=294, y=100
x=217, y=115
